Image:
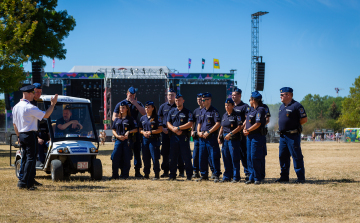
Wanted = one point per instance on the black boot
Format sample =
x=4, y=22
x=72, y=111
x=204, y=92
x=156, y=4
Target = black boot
x=137, y=173
x=146, y=176
x=165, y=175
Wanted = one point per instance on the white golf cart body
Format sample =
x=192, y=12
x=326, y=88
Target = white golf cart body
x=70, y=150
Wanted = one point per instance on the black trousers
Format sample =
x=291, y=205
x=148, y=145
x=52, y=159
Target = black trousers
x=29, y=143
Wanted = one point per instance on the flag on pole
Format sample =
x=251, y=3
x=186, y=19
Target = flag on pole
x=53, y=63
x=216, y=64
x=189, y=63
x=203, y=63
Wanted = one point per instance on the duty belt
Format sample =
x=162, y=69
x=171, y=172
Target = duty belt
x=289, y=132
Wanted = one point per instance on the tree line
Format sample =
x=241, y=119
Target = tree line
x=327, y=112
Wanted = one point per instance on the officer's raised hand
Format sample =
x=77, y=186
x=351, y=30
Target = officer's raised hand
x=54, y=100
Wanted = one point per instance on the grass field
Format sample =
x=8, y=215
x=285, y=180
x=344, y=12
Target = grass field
x=331, y=194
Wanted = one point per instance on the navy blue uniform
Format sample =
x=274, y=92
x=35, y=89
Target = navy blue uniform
x=137, y=145
x=195, y=156
x=121, y=156
x=231, y=148
x=256, y=141
x=289, y=119
x=209, y=147
x=179, y=144
x=165, y=148
x=241, y=109
x=151, y=145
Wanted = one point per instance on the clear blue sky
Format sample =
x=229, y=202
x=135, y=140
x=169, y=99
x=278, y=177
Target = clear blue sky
x=311, y=46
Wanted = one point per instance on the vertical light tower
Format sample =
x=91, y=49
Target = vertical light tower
x=255, y=45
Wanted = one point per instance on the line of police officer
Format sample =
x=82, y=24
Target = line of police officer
x=241, y=131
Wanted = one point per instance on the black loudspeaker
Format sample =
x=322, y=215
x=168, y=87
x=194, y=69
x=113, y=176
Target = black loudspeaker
x=7, y=102
x=260, y=76
x=36, y=72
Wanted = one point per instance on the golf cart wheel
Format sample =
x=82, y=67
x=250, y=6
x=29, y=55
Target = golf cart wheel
x=17, y=167
x=57, y=171
x=96, y=169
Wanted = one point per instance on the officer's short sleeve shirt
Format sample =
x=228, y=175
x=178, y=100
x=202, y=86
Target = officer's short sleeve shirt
x=164, y=111
x=290, y=115
x=26, y=116
x=178, y=118
x=209, y=118
x=241, y=109
x=121, y=126
x=257, y=115
x=148, y=124
x=230, y=122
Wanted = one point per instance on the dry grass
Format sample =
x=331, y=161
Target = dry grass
x=331, y=194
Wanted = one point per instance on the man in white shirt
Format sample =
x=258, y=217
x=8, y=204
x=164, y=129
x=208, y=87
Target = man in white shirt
x=25, y=121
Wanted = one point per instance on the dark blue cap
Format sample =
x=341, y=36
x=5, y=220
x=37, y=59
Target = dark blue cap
x=200, y=95
x=28, y=88
x=256, y=95
x=178, y=96
x=206, y=95
x=132, y=90
x=286, y=89
x=229, y=101
x=149, y=103
x=123, y=102
x=37, y=85
x=171, y=90
x=238, y=90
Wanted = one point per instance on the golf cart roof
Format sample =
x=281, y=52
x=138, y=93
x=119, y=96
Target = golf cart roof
x=65, y=99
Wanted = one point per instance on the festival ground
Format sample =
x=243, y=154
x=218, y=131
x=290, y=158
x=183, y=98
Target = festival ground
x=331, y=194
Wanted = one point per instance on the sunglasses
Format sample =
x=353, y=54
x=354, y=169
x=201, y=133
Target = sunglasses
x=282, y=95
x=203, y=100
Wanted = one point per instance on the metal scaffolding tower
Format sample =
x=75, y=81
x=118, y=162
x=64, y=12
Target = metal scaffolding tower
x=255, y=45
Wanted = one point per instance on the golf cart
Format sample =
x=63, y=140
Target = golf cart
x=70, y=149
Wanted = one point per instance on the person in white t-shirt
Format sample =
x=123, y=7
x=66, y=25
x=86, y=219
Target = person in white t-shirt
x=25, y=121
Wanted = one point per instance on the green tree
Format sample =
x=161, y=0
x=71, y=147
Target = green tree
x=350, y=112
x=53, y=27
x=16, y=29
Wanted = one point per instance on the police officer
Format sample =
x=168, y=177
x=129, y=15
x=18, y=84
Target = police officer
x=267, y=116
x=241, y=109
x=136, y=107
x=43, y=135
x=25, y=118
x=165, y=149
x=292, y=116
x=256, y=138
x=124, y=126
x=208, y=131
x=229, y=136
x=196, y=118
x=179, y=122
x=150, y=128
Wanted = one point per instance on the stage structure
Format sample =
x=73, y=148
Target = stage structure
x=106, y=86
x=257, y=75
x=150, y=83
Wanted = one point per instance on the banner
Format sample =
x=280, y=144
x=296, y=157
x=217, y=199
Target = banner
x=216, y=64
x=203, y=63
x=189, y=63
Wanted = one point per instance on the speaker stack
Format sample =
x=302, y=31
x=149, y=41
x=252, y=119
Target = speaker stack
x=36, y=72
x=260, y=76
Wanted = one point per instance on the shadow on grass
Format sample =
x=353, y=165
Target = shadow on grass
x=311, y=181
